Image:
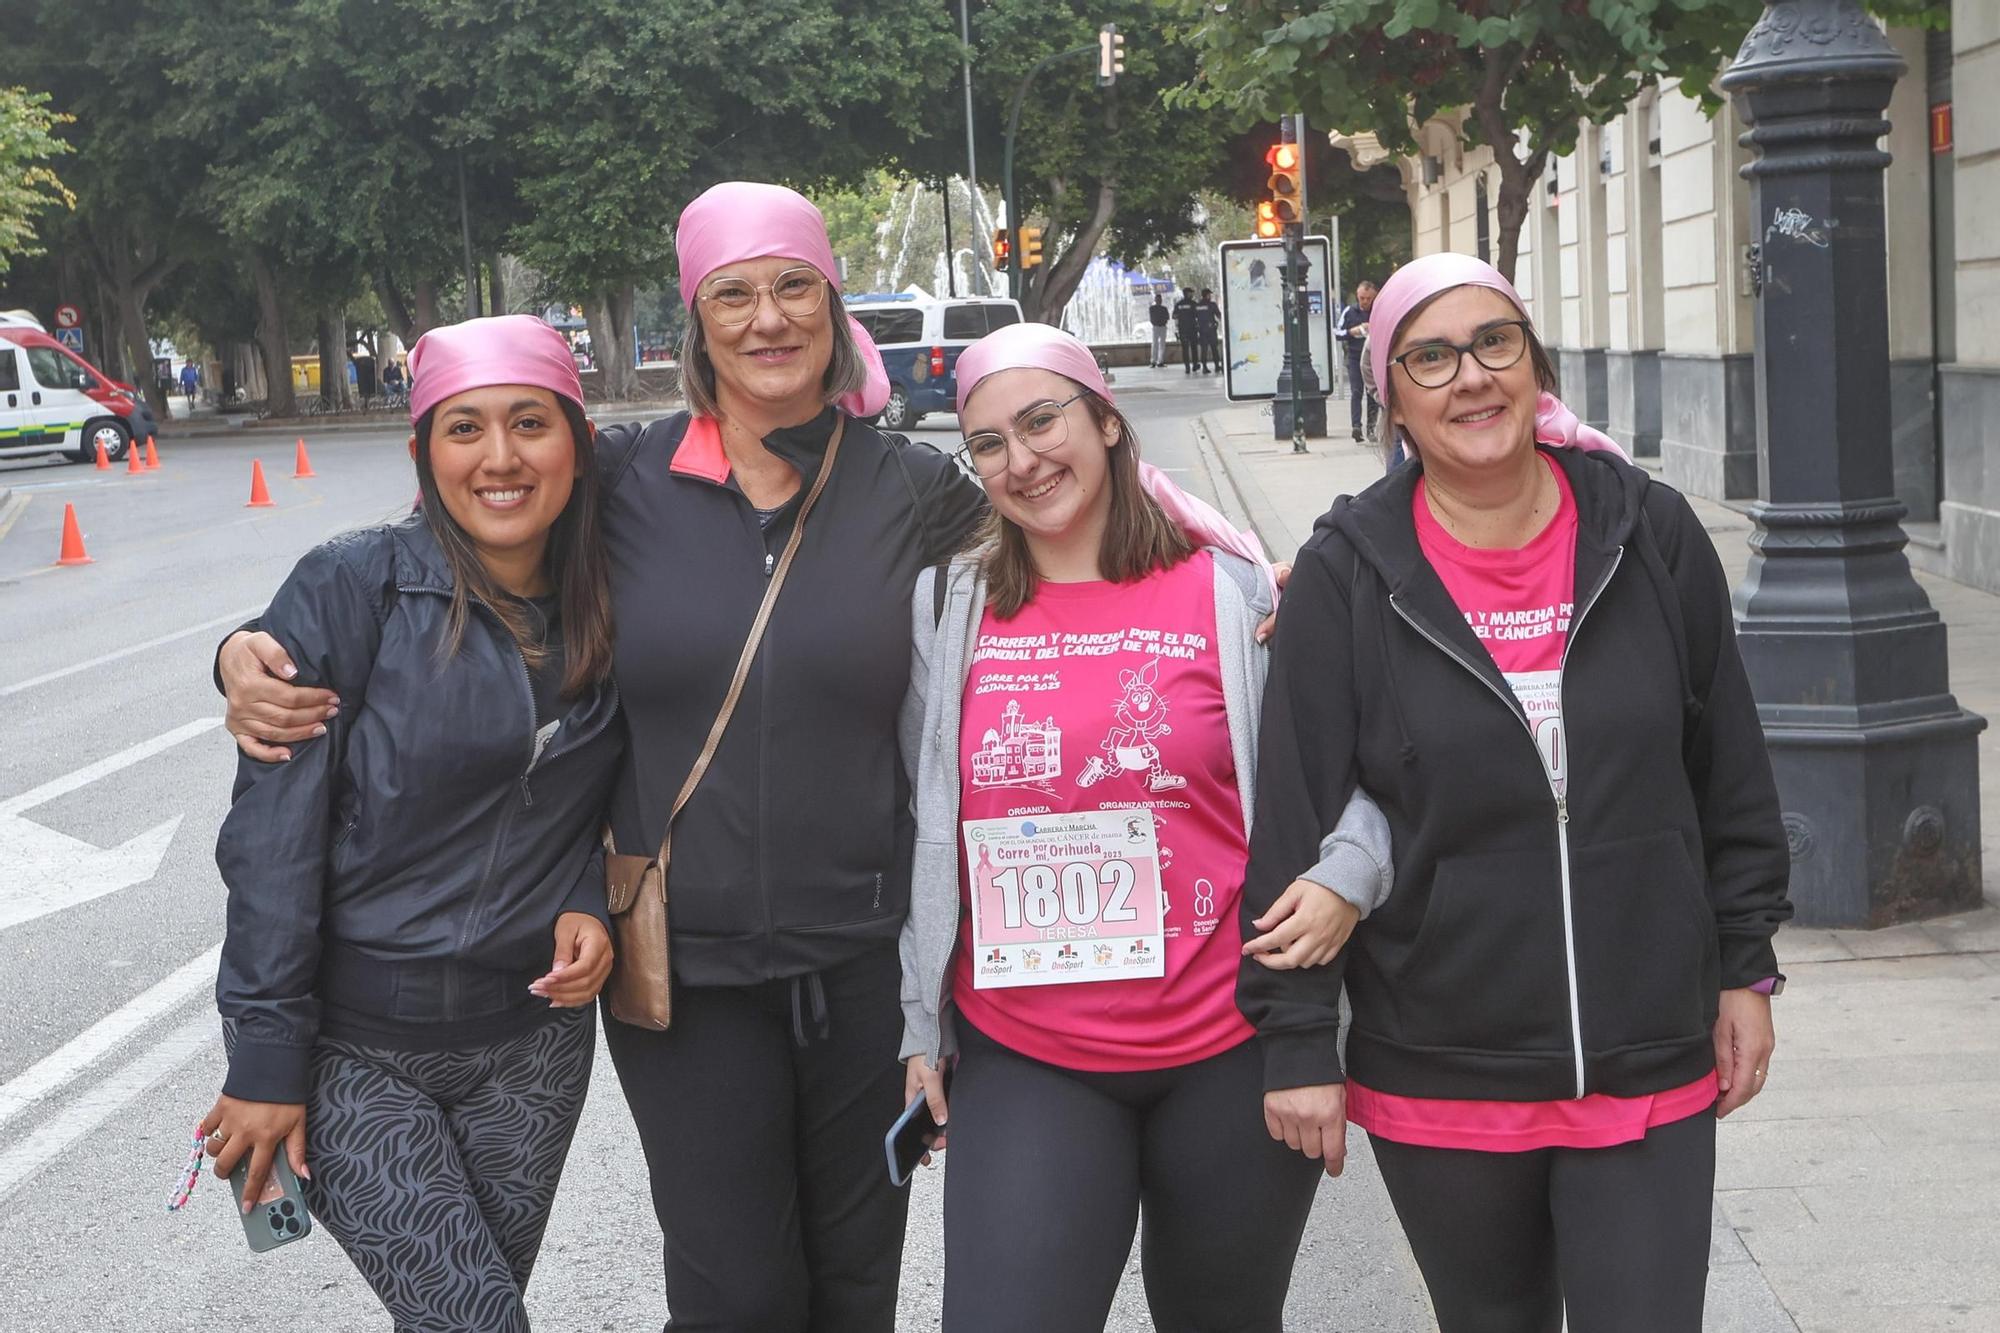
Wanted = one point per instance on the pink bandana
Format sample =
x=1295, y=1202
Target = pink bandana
x=739, y=220
x=501, y=349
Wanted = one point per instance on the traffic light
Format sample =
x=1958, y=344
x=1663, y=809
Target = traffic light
x=1287, y=198
x=1000, y=244
x=1031, y=247
x=1267, y=226
x=1110, y=55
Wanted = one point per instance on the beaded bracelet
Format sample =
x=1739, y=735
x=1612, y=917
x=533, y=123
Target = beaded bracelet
x=184, y=1188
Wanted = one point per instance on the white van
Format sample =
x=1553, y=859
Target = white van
x=52, y=401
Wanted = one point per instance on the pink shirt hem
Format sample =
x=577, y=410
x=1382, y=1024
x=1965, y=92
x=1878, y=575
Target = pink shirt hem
x=1596, y=1121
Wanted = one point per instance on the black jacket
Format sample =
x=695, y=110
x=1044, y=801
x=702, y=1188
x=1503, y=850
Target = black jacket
x=1491, y=973
x=794, y=852
x=409, y=866
x=1207, y=319
x=1184, y=318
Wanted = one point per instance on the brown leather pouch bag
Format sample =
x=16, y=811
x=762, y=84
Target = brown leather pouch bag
x=640, y=990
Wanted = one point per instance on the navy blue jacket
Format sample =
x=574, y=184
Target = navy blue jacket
x=409, y=866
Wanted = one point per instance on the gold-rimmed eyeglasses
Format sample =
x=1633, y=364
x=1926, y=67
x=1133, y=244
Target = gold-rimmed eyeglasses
x=797, y=292
x=1039, y=428
x=1433, y=365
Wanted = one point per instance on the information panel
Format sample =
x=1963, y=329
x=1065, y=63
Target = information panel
x=1253, y=321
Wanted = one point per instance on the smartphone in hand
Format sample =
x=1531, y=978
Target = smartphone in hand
x=913, y=1134
x=279, y=1216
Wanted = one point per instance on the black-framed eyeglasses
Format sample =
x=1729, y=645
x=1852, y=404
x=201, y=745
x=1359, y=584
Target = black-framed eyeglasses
x=797, y=292
x=1039, y=428
x=1433, y=365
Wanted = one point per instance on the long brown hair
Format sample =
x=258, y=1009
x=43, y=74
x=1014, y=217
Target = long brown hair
x=1138, y=536
x=575, y=560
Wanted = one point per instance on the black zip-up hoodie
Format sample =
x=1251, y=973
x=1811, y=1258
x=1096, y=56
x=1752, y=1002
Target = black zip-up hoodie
x=794, y=853
x=408, y=867
x=1529, y=950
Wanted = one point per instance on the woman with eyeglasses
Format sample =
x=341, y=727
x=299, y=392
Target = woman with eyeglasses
x=1521, y=646
x=761, y=1108
x=1081, y=734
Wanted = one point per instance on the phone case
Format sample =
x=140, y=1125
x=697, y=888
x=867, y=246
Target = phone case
x=278, y=1218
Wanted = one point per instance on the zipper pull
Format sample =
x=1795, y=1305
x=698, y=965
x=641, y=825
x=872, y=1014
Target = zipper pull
x=527, y=792
x=770, y=563
x=1562, y=809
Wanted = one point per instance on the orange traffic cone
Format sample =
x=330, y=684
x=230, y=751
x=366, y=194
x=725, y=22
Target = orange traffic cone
x=260, y=494
x=302, y=465
x=72, y=540
x=135, y=459
x=103, y=459
x=152, y=456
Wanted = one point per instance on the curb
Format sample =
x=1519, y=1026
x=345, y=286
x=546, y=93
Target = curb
x=1250, y=496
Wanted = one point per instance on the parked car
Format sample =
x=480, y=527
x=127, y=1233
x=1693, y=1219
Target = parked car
x=920, y=338
x=53, y=401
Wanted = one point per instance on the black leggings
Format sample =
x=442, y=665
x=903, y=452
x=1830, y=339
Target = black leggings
x=1507, y=1242
x=761, y=1112
x=1046, y=1171
x=435, y=1170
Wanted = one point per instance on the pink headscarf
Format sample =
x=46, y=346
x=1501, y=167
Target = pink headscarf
x=501, y=349
x=739, y=220
x=1418, y=281
x=1044, y=347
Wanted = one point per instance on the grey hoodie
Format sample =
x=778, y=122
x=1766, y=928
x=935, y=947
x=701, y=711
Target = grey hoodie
x=1355, y=861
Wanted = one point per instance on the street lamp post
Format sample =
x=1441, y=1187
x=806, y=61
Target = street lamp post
x=1877, y=765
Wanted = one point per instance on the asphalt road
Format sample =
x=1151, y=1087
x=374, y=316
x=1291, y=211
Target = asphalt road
x=114, y=776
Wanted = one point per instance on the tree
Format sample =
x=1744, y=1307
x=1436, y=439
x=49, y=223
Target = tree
x=28, y=185
x=1525, y=73
x=1116, y=166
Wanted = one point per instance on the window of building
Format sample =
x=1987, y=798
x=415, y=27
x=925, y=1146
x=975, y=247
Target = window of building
x=1483, y=220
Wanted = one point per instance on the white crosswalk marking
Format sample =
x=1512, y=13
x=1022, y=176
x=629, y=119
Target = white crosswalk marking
x=54, y=1070
x=43, y=871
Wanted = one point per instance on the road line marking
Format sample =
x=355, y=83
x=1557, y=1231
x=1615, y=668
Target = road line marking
x=12, y=513
x=79, y=1117
x=233, y=618
x=54, y=1070
x=103, y=768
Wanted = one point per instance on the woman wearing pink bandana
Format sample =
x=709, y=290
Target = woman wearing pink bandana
x=417, y=925
x=1521, y=646
x=1087, y=661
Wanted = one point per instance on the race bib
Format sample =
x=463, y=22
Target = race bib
x=1061, y=899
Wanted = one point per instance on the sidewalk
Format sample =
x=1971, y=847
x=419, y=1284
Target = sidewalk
x=1857, y=1193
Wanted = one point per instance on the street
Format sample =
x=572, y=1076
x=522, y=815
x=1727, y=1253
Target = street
x=114, y=775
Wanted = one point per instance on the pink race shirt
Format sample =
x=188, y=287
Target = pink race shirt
x=1102, y=696
x=1519, y=604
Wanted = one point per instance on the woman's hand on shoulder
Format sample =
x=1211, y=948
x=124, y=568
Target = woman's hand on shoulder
x=234, y=1127
x=582, y=962
x=1306, y=927
x=265, y=713
x=1281, y=574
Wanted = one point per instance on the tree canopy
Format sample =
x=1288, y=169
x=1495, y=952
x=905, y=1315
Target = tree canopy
x=28, y=185
x=1525, y=73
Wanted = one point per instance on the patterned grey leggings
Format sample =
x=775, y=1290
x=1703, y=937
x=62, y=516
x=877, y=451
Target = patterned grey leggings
x=435, y=1170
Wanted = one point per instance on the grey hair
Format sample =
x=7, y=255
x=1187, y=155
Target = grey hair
x=846, y=370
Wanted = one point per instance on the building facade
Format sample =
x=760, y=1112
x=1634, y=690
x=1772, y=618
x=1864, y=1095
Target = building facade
x=1638, y=258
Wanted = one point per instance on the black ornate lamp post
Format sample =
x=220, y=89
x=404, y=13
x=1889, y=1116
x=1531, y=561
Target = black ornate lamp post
x=1877, y=764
